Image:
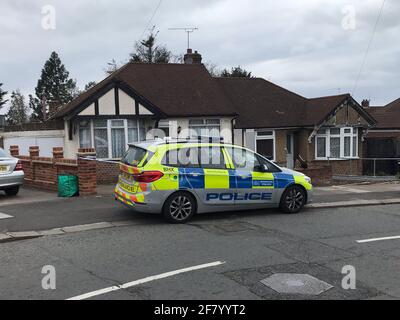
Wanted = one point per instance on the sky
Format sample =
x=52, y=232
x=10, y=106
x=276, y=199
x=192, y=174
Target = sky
x=312, y=47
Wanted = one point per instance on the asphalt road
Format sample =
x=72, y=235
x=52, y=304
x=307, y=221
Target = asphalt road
x=250, y=245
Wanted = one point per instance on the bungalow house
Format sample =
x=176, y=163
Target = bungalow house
x=383, y=140
x=255, y=113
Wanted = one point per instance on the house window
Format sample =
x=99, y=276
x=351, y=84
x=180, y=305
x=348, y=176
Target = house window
x=205, y=127
x=118, y=146
x=85, y=136
x=336, y=143
x=265, y=144
x=101, y=138
x=110, y=136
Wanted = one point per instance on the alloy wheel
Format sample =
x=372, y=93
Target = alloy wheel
x=180, y=208
x=294, y=199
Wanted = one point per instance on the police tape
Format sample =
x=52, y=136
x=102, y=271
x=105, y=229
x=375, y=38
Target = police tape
x=99, y=160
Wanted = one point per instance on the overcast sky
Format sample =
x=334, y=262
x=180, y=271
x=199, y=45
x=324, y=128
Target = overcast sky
x=311, y=47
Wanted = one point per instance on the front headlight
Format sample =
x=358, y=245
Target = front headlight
x=308, y=179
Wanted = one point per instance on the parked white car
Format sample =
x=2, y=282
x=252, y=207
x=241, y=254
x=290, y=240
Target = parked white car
x=11, y=173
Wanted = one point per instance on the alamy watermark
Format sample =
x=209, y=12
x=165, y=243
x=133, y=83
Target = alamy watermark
x=48, y=21
x=49, y=280
x=349, y=21
x=349, y=280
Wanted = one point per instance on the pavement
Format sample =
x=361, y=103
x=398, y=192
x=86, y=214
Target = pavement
x=96, y=244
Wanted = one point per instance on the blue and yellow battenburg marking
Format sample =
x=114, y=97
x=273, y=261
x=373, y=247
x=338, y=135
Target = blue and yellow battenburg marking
x=199, y=178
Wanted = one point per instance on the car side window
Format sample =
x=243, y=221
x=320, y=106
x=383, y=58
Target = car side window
x=271, y=167
x=183, y=157
x=243, y=159
x=212, y=158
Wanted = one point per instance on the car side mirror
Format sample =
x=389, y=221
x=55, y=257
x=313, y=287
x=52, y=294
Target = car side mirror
x=262, y=168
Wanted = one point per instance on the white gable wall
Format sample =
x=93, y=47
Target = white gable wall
x=89, y=111
x=107, y=103
x=126, y=103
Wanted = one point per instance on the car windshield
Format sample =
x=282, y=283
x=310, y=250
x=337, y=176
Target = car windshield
x=134, y=156
x=3, y=154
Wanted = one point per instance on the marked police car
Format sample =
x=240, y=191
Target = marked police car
x=180, y=178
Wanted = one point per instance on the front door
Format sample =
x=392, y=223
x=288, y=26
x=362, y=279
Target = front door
x=289, y=151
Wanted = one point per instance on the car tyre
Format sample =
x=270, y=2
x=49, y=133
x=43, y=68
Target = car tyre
x=12, y=191
x=179, y=207
x=293, y=199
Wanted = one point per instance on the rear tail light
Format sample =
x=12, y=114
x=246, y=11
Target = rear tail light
x=18, y=166
x=148, y=176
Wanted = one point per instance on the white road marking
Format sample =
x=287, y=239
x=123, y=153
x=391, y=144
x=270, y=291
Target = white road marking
x=5, y=216
x=352, y=190
x=378, y=239
x=144, y=280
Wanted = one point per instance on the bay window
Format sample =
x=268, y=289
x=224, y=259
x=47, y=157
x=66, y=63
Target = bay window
x=110, y=136
x=336, y=143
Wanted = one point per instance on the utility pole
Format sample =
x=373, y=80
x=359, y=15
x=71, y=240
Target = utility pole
x=188, y=30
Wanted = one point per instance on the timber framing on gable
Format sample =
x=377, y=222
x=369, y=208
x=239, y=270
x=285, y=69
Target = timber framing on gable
x=346, y=103
x=114, y=87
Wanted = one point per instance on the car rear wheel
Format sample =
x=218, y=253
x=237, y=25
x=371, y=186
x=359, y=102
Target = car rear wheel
x=179, y=207
x=293, y=199
x=12, y=191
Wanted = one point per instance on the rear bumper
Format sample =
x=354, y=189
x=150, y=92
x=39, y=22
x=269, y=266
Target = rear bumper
x=15, y=178
x=127, y=199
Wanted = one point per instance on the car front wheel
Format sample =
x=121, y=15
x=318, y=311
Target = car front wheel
x=12, y=191
x=293, y=199
x=180, y=207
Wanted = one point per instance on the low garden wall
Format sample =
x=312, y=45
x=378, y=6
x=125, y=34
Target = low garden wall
x=320, y=176
x=43, y=172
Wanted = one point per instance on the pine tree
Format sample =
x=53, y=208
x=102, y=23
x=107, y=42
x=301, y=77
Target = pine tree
x=147, y=51
x=112, y=66
x=89, y=85
x=2, y=94
x=37, y=109
x=54, y=84
x=236, y=72
x=18, y=112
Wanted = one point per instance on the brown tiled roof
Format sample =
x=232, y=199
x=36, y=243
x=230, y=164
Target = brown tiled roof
x=175, y=89
x=261, y=103
x=387, y=117
x=189, y=90
x=318, y=108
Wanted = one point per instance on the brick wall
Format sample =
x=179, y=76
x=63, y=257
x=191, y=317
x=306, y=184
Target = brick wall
x=320, y=176
x=43, y=172
x=342, y=167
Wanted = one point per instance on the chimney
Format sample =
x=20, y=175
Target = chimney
x=192, y=58
x=365, y=103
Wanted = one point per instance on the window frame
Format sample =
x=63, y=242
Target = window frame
x=204, y=124
x=341, y=135
x=259, y=136
x=140, y=123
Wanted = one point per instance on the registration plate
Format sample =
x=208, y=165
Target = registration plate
x=3, y=168
x=127, y=187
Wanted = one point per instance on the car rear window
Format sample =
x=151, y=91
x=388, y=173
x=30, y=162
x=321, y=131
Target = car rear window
x=135, y=155
x=3, y=154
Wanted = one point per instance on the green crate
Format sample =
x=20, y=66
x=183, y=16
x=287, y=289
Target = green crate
x=68, y=186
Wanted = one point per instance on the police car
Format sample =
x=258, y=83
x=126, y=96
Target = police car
x=180, y=178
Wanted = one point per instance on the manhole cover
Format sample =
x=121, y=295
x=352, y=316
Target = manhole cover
x=299, y=283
